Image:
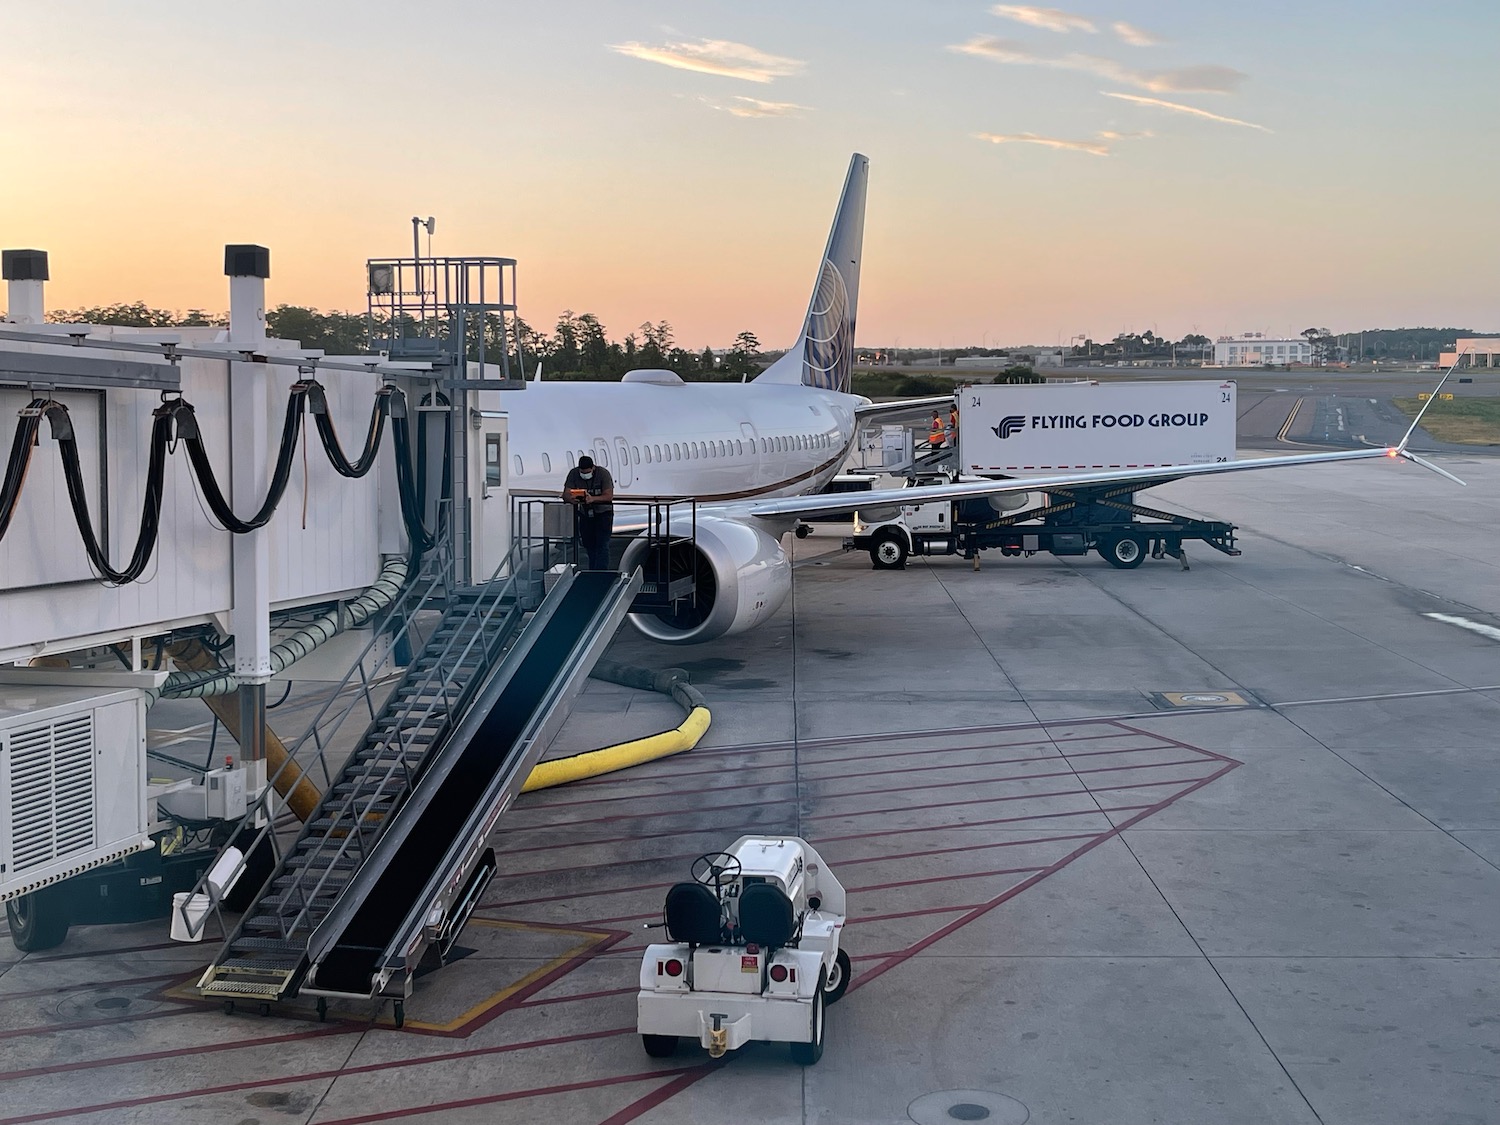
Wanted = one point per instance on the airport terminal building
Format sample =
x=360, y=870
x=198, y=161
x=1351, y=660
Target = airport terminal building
x=1476, y=351
x=1256, y=350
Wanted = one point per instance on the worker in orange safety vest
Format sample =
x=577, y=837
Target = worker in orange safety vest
x=936, y=435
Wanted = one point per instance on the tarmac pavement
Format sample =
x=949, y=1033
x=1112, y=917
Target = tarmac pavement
x=1070, y=900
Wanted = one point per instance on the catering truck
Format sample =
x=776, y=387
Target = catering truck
x=1016, y=431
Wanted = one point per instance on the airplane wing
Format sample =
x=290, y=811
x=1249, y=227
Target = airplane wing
x=804, y=507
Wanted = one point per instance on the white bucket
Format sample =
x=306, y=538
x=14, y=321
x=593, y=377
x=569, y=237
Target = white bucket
x=197, y=916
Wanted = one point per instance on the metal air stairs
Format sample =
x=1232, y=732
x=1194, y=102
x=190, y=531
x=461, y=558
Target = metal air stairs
x=266, y=956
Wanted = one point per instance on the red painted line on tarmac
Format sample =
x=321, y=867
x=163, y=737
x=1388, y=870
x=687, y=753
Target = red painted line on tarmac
x=846, y=862
x=1042, y=742
x=103, y=953
x=123, y=982
x=515, y=1095
x=966, y=825
x=572, y=996
x=82, y=1025
x=508, y=903
x=314, y=1076
x=1183, y=745
x=179, y=1052
x=804, y=778
x=619, y=817
x=991, y=801
x=656, y=1097
x=637, y=837
x=925, y=912
x=958, y=923
x=946, y=879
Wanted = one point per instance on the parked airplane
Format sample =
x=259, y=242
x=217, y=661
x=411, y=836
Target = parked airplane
x=756, y=455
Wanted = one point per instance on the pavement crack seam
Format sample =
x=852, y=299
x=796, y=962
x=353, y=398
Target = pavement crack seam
x=1209, y=961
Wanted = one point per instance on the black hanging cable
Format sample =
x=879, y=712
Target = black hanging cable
x=192, y=438
x=20, y=459
x=317, y=403
x=145, y=543
x=176, y=415
x=421, y=539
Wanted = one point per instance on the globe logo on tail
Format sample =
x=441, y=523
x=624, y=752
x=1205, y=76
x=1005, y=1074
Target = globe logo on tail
x=828, y=354
x=1009, y=425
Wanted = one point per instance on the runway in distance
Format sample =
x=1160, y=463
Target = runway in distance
x=756, y=455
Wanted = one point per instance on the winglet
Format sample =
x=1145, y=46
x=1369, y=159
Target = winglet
x=1426, y=464
x=1432, y=398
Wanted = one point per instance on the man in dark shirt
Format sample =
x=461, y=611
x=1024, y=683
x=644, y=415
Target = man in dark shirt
x=591, y=491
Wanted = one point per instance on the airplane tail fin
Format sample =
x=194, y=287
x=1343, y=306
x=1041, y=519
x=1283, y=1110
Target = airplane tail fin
x=823, y=355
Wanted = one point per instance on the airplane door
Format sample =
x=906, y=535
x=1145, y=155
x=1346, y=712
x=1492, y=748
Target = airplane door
x=754, y=443
x=489, y=497
x=622, y=456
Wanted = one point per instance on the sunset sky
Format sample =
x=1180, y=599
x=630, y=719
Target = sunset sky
x=1036, y=172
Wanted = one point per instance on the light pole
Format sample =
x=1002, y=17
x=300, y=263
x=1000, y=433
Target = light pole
x=416, y=252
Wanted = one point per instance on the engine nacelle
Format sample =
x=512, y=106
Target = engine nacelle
x=742, y=575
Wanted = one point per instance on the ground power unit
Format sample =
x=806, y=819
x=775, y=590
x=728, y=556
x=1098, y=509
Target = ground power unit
x=73, y=775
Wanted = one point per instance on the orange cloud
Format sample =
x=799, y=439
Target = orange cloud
x=715, y=56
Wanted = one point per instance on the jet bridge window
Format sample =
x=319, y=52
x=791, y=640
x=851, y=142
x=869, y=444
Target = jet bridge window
x=492, y=460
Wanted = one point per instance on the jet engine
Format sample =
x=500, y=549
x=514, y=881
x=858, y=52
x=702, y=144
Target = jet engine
x=742, y=577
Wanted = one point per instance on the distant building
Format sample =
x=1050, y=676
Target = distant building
x=1255, y=350
x=1483, y=351
x=1024, y=357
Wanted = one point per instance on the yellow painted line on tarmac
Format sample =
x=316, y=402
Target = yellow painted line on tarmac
x=1290, y=418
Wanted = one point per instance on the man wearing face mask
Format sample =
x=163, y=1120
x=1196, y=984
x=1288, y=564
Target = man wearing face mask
x=591, y=491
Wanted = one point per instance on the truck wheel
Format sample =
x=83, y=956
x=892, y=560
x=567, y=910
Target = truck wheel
x=806, y=1054
x=838, y=981
x=1126, y=550
x=889, y=551
x=38, y=921
x=660, y=1046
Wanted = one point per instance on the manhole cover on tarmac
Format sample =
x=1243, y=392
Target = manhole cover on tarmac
x=1166, y=700
x=947, y=1106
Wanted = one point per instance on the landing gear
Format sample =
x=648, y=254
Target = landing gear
x=322, y=1008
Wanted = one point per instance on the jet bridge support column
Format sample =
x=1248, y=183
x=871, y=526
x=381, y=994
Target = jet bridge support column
x=248, y=267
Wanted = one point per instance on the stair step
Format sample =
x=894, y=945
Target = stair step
x=268, y=945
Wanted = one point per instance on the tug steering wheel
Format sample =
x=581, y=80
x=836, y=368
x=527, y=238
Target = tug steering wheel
x=716, y=869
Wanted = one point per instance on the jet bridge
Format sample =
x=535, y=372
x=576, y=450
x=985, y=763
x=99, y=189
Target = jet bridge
x=344, y=916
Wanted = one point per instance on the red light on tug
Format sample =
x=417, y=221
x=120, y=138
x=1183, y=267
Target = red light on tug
x=674, y=968
x=778, y=973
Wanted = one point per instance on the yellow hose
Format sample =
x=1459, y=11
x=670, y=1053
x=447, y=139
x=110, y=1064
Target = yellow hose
x=594, y=763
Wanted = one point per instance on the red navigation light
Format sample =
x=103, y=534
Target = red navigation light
x=778, y=973
x=674, y=968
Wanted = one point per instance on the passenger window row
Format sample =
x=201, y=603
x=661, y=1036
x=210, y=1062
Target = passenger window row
x=689, y=451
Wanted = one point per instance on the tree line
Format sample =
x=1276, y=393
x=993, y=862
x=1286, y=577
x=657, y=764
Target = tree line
x=578, y=347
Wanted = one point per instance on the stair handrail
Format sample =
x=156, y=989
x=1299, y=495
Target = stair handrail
x=426, y=586
x=358, y=816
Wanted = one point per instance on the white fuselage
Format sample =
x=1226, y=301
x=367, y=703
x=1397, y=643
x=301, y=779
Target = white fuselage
x=708, y=441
